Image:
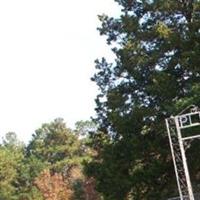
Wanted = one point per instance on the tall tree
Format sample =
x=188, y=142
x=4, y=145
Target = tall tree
x=54, y=152
x=155, y=74
x=56, y=144
x=11, y=156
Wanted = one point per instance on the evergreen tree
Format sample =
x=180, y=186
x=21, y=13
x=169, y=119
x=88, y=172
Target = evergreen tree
x=56, y=149
x=155, y=74
x=55, y=144
x=11, y=156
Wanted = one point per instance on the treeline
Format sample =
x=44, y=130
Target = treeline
x=50, y=167
x=155, y=74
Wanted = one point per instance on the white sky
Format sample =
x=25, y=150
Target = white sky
x=47, y=53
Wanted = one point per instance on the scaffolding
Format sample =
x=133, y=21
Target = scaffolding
x=179, y=144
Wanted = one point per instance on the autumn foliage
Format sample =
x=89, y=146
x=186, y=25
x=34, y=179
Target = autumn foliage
x=53, y=186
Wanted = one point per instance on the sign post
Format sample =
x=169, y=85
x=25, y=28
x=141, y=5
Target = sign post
x=175, y=125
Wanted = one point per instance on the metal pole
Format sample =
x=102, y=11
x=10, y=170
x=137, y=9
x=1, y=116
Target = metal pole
x=174, y=160
x=190, y=192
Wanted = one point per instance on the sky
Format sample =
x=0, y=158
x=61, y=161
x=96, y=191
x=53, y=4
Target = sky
x=47, y=53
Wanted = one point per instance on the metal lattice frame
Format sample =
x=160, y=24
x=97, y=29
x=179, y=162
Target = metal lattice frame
x=177, y=144
x=196, y=197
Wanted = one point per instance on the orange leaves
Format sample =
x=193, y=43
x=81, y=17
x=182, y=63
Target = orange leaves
x=53, y=186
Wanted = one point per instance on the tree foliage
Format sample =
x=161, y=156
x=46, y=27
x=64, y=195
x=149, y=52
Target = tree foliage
x=55, y=144
x=53, y=186
x=155, y=74
x=50, y=167
x=11, y=155
x=50, y=156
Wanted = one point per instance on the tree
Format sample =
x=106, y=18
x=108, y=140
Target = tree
x=90, y=192
x=154, y=75
x=55, y=144
x=84, y=128
x=53, y=186
x=11, y=156
x=7, y=174
x=28, y=171
x=54, y=152
x=12, y=141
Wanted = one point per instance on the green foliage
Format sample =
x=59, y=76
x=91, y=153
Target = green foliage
x=55, y=149
x=11, y=155
x=155, y=74
x=84, y=128
x=7, y=173
x=55, y=144
x=29, y=169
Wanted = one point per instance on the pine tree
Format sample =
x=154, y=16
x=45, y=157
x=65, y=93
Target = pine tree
x=155, y=74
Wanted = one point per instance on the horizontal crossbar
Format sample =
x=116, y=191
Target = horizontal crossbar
x=191, y=137
x=191, y=125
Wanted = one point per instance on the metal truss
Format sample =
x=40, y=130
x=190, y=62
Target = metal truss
x=196, y=197
x=179, y=144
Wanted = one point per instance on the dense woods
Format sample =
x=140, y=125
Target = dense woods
x=123, y=153
x=155, y=74
x=50, y=167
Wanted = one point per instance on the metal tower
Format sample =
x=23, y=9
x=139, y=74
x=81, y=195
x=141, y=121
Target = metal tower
x=178, y=145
